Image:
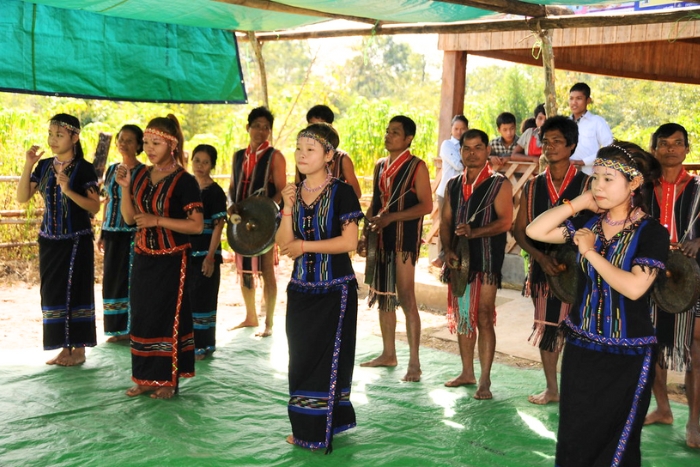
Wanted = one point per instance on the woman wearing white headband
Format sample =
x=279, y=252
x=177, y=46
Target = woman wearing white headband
x=608, y=363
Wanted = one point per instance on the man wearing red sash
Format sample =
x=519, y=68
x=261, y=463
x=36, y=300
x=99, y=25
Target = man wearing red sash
x=478, y=206
x=402, y=196
x=559, y=183
x=258, y=169
x=676, y=203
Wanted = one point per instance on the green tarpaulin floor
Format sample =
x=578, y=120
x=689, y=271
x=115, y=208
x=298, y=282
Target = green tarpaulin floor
x=234, y=413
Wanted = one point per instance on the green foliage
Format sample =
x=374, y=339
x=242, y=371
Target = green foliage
x=380, y=79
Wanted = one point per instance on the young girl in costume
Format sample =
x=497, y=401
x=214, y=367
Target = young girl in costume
x=608, y=363
x=163, y=201
x=68, y=186
x=318, y=229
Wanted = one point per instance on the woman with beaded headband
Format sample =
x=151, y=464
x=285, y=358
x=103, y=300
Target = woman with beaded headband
x=318, y=229
x=608, y=364
x=68, y=186
x=166, y=208
x=258, y=169
x=117, y=239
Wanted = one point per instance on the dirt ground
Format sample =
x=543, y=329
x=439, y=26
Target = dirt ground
x=20, y=313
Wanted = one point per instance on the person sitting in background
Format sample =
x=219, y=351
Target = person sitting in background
x=528, y=148
x=502, y=146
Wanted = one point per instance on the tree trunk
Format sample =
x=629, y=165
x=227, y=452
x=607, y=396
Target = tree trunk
x=257, y=51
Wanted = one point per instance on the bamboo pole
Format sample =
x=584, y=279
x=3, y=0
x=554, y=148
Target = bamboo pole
x=260, y=61
x=550, y=92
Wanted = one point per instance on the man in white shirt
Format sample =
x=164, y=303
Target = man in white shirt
x=451, y=167
x=593, y=130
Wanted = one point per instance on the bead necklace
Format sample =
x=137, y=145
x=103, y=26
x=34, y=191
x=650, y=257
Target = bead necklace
x=62, y=163
x=314, y=190
x=613, y=223
x=165, y=169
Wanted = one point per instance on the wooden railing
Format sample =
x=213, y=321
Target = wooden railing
x=517, y=172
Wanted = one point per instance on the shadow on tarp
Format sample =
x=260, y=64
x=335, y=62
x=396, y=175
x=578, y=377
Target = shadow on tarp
x=234, y=413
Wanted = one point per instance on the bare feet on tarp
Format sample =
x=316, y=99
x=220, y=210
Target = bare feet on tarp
x=266, y=333
x=290, y=439
x=113, y=339
x=200, y=356
x=660, y=417
x=382, y=360
x=245, y=324
x=138, y=390
x=163, y=393
x=69, y=357
x=692, y=436
x=543, y=398
x=483, y=392
x=413, y=374
x=464, y=379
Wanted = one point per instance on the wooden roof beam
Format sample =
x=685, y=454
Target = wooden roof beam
x=269, y=5
x=511, y=7
x=560, y=22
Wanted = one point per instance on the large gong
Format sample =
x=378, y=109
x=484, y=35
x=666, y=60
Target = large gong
x=565, y=285
x=459, y=273
x=679, y=288
x=251, y=230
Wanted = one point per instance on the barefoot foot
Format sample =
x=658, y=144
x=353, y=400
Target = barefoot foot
x=413, y=374
x=662, y=418
x=289, y=439
x=381, y=361
x=75, y=358
x=163, y=393
x=483, y=392
x=138, y=389
x=266, y=333
x=245, y=324
x=543, y=398
x=113, y=339
x=54, y=361
x=199, y=357
x=461, y=380
x=692, y=436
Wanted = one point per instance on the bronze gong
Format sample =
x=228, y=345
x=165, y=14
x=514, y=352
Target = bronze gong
x=251, y=230
x=565, y=285
x=459, y=275
x=678, y=288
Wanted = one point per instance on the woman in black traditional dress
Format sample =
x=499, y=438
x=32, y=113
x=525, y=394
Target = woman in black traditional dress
x=166, y=207
x=68, y=185
x=318, y=229
x=608, y=364
x=205, y=260
x=117, y=239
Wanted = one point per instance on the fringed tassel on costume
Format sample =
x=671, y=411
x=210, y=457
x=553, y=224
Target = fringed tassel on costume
x=383, y=288
x=462, y=311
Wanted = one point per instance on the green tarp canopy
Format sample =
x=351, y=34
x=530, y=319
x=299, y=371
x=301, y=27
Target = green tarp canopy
x=181, y=50
x=63, y=52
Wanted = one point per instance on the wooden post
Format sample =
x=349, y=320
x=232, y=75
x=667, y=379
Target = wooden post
x=454, y=75
x=101, y=153
x=260, y=61
x=550, y=93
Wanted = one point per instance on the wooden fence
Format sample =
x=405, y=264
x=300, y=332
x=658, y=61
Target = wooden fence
x=517, y=172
